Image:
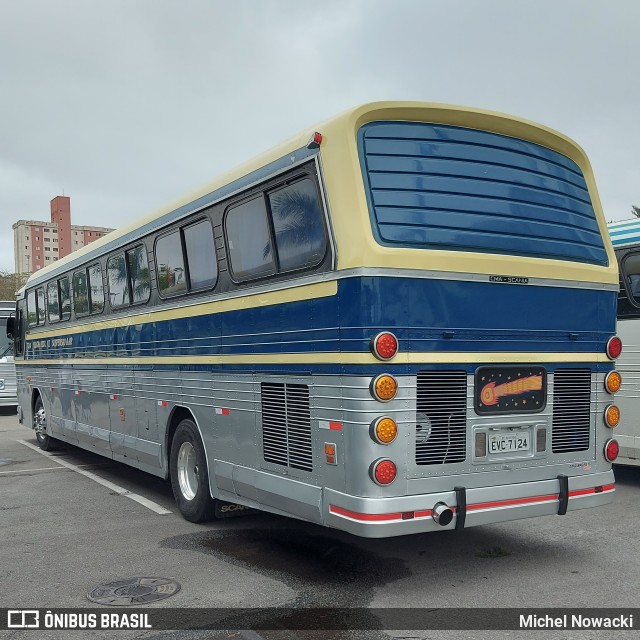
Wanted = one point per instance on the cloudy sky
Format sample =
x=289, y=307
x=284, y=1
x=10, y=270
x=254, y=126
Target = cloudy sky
x=124, y=105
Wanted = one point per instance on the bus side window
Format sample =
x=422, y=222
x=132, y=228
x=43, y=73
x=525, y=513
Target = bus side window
x=298, y=225
x=41, y=305
x=170, y=265
x=118, y=281
x=96, y=289
x=139, y=274
x=32, y=309
x=53, y=301
x=65, y=300
x=631, y=270
x=80, y=293
x=201, y=255
x=249, y=240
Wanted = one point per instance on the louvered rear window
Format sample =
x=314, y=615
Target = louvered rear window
x=444, y=187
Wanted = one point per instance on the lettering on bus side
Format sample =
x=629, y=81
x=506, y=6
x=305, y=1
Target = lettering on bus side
x=509, y=279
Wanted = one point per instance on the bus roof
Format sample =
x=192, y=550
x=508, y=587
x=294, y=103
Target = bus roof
x=625, y=232
x=335, y=132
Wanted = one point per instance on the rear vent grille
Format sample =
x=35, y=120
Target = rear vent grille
x=286, y=425
x=571, y=410
x=441, y=417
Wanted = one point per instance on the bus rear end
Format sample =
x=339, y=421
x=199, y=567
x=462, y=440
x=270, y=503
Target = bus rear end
x=486, y=295
x=8, y=390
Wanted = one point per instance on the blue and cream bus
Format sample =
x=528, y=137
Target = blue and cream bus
x=399, y=321
x=625, y=236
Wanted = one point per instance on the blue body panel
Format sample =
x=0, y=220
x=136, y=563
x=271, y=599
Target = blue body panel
x=445, y=187
x=427, y=315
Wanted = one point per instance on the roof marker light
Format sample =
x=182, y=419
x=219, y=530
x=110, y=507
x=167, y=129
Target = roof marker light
x=314, y=141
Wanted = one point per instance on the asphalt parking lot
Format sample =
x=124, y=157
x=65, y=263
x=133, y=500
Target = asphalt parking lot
x=63, y=533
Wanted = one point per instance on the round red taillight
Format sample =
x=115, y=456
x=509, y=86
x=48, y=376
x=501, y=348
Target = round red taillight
x=614, y=347
x=611, y=450
x=383, y=471
x=384, y=346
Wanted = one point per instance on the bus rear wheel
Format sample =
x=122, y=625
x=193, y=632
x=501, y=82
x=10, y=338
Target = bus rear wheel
x=45, y=441
x=189, y=474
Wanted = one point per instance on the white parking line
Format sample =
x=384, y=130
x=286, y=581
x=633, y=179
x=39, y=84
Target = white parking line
x=2, y=473
x=121, y=491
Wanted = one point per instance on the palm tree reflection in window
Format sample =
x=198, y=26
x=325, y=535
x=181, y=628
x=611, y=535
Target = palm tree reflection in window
x=134, y=270
x=297, y=220
x=139, y=270
x=118, y=281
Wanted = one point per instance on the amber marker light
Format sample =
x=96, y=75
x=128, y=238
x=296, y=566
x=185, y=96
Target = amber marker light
x=383, y=430
x=612, y=382
x=383, y=471
x=611, y=415
x=384, y=346
x=384, y=387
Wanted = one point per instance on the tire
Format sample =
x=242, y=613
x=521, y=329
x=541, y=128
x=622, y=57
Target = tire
x=189, y=474
x=40, y=423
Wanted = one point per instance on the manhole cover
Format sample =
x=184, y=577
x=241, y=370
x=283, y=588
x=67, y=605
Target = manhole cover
x=134, y=591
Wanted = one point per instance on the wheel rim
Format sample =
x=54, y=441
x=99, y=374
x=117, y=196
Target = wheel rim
x=40, y=423
x=187, y=471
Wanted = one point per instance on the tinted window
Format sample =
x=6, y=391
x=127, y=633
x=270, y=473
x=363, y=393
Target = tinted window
x=41, y=307
x=201, y=255
x=96, y=288
x=53, y=302
x=118, y=281
x=32, y=309
x=170, y=265
x=80, y=293
x=248, y=240
x=297, y=221
x=139, y=274
x=65, y=300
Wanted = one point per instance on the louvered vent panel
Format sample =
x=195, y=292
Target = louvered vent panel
x=571, y=410
x=441, y=417
x=286, y=425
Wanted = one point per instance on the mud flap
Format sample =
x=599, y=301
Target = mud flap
x=231, y=510
x=563, y=495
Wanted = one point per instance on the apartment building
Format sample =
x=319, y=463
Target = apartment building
x=38, y=243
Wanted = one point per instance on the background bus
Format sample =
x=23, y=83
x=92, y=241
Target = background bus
x=398, y=322
x=625, y=237
x=8, y=391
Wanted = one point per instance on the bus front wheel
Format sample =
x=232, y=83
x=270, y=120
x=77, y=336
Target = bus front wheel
x=189, y=474
x=45, y=441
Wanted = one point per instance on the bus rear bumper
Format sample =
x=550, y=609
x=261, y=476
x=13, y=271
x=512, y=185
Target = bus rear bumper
x=396, y=516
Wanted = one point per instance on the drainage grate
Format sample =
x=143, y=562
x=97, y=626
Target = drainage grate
x=122, y=593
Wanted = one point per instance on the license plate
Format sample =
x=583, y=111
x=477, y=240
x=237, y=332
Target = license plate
x=509, y=443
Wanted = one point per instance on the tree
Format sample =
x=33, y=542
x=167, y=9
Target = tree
x=10, y=283
x=635, y=211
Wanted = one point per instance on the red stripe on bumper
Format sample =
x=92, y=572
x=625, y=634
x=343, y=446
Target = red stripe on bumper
x=427, y=513
x=375, y=517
